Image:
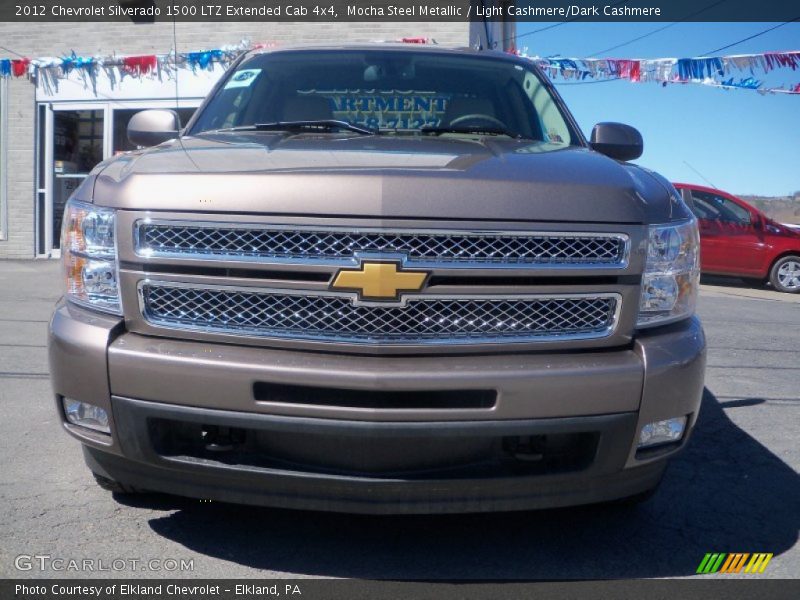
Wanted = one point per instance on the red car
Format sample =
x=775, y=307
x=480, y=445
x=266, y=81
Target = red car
x=737, y=239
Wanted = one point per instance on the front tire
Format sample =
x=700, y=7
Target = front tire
x=116, y=487
x=785, y=274
x=637, y=499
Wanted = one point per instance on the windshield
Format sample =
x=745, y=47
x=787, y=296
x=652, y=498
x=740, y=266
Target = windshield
x=388, y=92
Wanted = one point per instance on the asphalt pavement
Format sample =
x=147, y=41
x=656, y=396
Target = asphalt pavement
x=734, y=489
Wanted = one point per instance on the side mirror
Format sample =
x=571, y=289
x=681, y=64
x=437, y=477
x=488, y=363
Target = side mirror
x=152, y=127
x=616, y=140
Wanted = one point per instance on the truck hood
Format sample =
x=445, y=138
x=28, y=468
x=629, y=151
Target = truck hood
x=381, y=176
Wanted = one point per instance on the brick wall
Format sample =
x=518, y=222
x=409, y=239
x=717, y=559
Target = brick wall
x=54, y=39
x=19, y=222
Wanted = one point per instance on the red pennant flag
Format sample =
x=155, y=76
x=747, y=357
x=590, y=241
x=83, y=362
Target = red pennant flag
x=19, y=66
x=139, y=65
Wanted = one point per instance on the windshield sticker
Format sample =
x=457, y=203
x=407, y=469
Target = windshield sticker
x=385, y=109
x=243, y=78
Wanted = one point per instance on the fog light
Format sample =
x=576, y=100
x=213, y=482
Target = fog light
x=662, y=432
x=86, y=415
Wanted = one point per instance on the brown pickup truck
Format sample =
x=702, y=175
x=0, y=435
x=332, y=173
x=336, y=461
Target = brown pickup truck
x=379, y=278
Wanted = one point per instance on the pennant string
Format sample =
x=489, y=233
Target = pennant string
x=730, y=72
x=717, y=71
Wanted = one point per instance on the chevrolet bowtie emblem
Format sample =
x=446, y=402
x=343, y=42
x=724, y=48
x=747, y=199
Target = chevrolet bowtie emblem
x=379, y=281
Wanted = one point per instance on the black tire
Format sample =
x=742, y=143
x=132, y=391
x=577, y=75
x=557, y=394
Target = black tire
x=754, y=282
x=637, y=499
x=115, y=487
x=640, y=498
x=778, y=274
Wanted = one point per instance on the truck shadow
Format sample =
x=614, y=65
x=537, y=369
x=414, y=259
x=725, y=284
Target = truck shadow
x=726, y=492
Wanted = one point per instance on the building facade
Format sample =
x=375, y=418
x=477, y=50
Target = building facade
x=52, y=135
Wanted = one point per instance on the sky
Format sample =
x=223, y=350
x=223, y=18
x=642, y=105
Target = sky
x=739, y=140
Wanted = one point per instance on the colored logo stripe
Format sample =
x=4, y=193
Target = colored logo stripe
x=723, y=562
x=711, y=563
x=734, y=562
x=758, y=563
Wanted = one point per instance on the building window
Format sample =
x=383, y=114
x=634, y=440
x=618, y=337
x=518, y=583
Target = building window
x=3, y=158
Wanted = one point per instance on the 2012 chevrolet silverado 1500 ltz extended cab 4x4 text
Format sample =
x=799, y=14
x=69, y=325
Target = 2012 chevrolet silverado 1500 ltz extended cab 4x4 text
x=383, y=279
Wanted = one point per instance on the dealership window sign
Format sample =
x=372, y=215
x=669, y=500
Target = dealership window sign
x=385, y=109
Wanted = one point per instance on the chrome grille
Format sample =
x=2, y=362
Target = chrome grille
x=329, y=316
x=342, y=246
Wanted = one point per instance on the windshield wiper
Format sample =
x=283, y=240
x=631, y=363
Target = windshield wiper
x=478, y=130
x=325, y=124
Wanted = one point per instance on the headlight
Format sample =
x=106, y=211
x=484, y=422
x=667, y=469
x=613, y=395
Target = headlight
x=671, y=275
x=89, y=256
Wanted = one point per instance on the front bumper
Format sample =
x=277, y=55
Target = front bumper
x=380, y=460
x=210, y=479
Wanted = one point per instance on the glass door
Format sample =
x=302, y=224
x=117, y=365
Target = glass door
x=78, y=140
